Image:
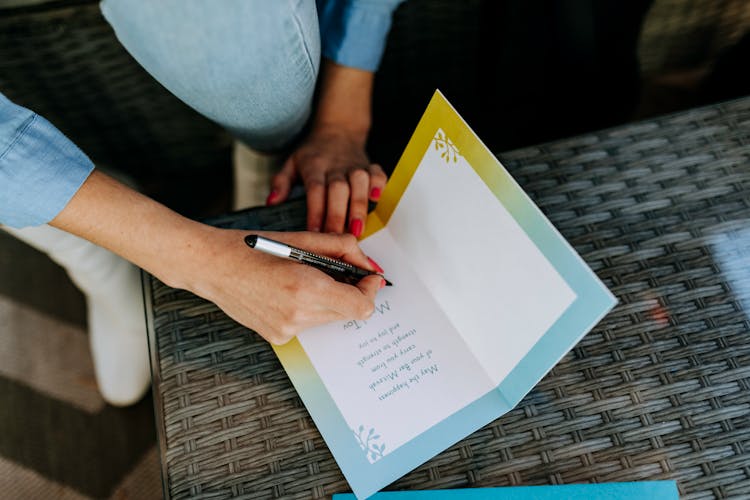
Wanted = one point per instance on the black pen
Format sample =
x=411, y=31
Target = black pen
x=338, y=270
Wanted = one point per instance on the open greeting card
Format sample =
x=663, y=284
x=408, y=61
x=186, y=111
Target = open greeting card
x=487, y=296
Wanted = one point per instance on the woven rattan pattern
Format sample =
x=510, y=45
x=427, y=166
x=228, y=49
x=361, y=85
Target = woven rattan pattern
x=658, y=390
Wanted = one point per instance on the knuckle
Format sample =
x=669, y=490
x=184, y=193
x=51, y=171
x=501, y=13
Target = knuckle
x=379, y=176
x=359, y=203
x=348, y=240
x=337, y=184
x=358, y=175
x=314, y=184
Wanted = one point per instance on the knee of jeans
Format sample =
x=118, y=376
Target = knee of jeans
x=265, y=107
x=251, y=66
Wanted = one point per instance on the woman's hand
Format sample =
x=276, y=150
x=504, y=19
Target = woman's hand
x=331, y=162
x=279, y=298
x=338, y=178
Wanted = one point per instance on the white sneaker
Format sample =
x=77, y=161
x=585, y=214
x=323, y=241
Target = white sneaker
x=117, y=324
x=118, y=338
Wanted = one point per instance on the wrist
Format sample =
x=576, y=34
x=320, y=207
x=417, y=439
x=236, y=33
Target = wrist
x=185, y=266
x=353, y=133
x=345, y=100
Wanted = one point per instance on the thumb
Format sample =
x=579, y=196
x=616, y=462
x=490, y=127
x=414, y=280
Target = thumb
x=281, y=183
x=369, y=286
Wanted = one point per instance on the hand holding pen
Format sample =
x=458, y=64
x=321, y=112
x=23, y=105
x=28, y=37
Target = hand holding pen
x=337, y=269
x=278, y=298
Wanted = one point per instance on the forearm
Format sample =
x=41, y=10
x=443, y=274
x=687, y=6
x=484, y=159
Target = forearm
x=345, y=101
x=135, y=227
x=273, y=296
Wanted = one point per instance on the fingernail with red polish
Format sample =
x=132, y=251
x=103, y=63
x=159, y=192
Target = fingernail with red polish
x=355, y=227
x=375, y=265
x=375, y=193
x=272, y=196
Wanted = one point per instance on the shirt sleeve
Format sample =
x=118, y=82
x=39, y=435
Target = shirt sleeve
x=353, y=32
x=40, y=168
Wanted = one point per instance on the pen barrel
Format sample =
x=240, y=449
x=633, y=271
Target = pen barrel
x=269, y=246
x=340, y=271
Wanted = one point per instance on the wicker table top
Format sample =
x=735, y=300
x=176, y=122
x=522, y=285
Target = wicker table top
x=660, y=389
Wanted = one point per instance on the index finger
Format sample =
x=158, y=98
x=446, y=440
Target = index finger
x=348, y=250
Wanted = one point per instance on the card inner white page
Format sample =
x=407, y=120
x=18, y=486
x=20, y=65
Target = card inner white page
x=401, y=371
x=490, y=279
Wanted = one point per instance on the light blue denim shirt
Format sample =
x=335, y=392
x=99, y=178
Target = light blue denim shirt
x=353, y=32
x=41, y=170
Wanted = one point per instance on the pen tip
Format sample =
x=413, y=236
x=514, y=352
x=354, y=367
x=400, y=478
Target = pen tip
x=388, y=283
x=251, y=240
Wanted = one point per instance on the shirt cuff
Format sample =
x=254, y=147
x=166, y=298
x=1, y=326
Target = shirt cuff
x=354, y=33
x=40, y=168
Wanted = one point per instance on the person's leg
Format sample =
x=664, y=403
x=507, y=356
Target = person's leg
x=249, y=65
x=117, y=330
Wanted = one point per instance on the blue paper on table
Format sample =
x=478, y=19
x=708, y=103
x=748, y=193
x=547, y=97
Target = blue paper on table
x=643, y=490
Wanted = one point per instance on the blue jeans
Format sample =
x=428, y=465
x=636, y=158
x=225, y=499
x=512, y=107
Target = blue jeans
x=249, y=65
